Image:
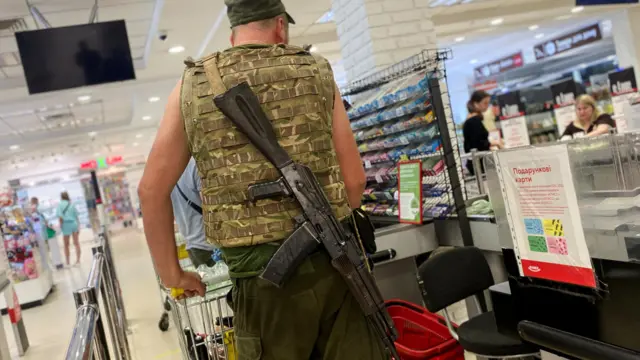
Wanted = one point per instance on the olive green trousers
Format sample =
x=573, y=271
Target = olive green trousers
x=314, y=316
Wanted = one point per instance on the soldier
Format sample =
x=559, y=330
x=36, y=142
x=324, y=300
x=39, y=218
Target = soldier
x=314, y=316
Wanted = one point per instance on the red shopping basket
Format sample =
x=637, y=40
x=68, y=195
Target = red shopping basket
x=421, y=334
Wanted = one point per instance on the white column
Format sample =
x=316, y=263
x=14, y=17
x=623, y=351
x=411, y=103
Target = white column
x=374, y=34
x=626, y=37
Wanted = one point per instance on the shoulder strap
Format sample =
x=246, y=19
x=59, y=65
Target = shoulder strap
x=213, y=75
x=193, y=205
x=64, y=212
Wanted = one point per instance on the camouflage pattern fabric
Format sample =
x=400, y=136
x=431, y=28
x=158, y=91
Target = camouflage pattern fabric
x=296, y=90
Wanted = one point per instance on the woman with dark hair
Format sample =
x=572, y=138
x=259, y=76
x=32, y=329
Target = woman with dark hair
x=68, y=216
x=475, y=134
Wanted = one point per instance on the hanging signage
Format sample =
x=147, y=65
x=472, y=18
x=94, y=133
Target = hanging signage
x=493, y=68
x=564, y=103
x=101, y=163
x=544, y=216
x=604, y=2
x=567, y=42
x=410, y=192
x=623, y=88
x=486, y=85
x=515, y=132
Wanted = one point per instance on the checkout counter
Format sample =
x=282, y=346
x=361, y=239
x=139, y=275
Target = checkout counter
x=606, y=178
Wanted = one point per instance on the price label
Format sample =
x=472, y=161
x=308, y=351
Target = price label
x=404, y=157
x=379, y=178
x=367, y=164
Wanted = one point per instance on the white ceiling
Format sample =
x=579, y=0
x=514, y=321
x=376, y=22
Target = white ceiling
x=52, y=130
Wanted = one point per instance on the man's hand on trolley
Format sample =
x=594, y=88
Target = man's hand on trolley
x=191, y=285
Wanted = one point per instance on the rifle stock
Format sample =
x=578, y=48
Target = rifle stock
x=242, y=107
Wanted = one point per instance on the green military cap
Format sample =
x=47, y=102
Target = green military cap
x=245, y=11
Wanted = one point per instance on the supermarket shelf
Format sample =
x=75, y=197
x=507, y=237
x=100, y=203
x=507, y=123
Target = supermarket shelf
x=418, y=62
x=424, y=106
x=424, y=139
x=422, y=123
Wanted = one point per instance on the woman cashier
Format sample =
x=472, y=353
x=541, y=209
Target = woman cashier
x=590, y=122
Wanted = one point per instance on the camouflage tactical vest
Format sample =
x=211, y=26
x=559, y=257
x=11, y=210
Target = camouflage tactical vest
x=296, y=91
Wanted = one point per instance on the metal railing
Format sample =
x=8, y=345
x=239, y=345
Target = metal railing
x=89, y=339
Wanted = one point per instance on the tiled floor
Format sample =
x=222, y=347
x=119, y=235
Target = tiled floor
x=49, y=327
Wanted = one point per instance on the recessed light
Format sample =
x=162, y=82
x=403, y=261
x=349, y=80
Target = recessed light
x=313, y=48
x=92, y=133
x=583, y=66
x=539, y=36
x=577, y=9
x=138, y=136
x=534, y=27
x=14, y=147
x=135, y=144
x=460, y=38
x=473, y=61
x=146, y=118
x=84, y=98
x=154, y=99
x=176, y=49
x=563, y=17
x=497, y=21
x=96, y=154
x=88, y=119
x=33, y=183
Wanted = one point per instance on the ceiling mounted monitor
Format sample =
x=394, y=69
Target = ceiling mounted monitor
x=74, y=56
x=605, y=2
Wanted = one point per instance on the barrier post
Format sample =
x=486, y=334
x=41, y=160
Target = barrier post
x=89, y=336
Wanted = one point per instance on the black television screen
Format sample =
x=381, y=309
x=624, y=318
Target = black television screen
x=605, y=2
x=74, y=56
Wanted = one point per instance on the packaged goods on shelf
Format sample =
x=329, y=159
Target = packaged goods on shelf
x=424, y=134
x=390, y=94
x=399, y=110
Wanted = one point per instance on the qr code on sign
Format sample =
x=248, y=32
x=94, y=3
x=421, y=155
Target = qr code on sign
x=533, y=226
x=557, y=245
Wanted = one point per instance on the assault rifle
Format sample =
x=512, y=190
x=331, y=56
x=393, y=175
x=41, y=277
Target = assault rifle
x=316, y=226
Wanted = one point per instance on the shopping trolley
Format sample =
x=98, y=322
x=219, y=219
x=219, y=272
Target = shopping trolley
x=204, y=324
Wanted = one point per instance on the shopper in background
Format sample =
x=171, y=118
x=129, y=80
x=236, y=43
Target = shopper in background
x=589, y=121
x=44, y=241
x=187, y=210
x=475, y=134
x=314, y=315
x=68, y=216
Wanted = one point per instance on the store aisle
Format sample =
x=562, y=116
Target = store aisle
x=49, y=327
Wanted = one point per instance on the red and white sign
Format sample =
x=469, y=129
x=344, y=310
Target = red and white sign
x=515, y=132
x=499, y=66
x=541, y=201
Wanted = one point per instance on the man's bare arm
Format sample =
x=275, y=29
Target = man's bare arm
x=347, y=152
x=166, y=162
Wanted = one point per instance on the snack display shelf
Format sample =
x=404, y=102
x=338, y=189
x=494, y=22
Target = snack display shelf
x=400, y=91
x=424, y=134
x=399, y=121
x=411, y=122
